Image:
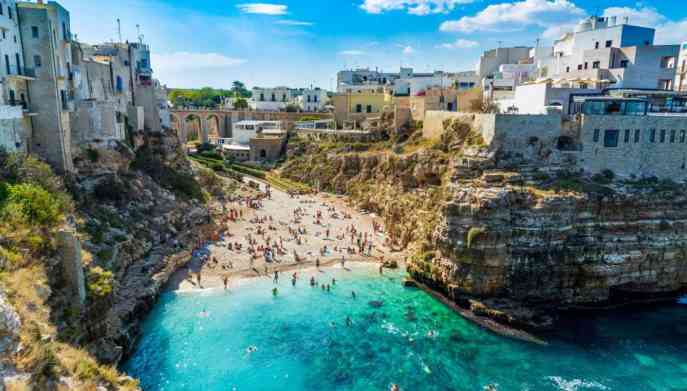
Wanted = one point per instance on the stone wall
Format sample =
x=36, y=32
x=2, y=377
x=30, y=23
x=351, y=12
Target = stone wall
x=72, y=268
x=13, y=135
x=664, y=157
x=506, y=133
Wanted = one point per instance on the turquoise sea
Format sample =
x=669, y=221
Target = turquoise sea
x=247, y=339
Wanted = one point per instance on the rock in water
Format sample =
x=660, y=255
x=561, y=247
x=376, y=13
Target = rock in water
x=376, y=303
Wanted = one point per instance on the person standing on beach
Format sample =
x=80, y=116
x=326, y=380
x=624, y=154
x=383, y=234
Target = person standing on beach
x=276, y=276
x=317, y=263
x=225, y=279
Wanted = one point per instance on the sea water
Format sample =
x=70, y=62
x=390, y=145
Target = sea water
x=248, y=339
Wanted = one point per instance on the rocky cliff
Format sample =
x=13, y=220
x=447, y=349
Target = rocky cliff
x=512, y=240
x=133, y=218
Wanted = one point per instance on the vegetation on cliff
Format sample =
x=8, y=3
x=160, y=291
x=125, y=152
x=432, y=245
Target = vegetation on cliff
x=34, y=204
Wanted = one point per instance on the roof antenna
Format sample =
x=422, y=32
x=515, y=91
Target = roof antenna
x=119, y=29
x=140, y=36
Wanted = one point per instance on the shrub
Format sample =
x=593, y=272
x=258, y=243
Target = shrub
x=36, y=204
x=100, y=282
x=92, y=154
x=212, y=155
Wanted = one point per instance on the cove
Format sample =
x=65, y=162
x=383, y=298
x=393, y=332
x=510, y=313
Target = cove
x=200, y=341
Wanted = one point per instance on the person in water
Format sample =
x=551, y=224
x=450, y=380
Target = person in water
x=333, y=281
x=394, y=387
x=353, y=294
x=312, y=281
x=349, y=321
x=276, y=276
x=275, y=291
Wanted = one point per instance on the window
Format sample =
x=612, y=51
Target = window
x=624, y=63
x=4, y=33
x=596, y=135
x=37, y=61
x=665, y=84
x=358, y=108
x=682, y=136
x=668, y=62
x=672, y=136
x=262, y=97
x=611, y=138
x=609, y=44
x=369, y=108
x=596, y=45
x=274, y=98
x=34, y=31
x=596, y=64
x=637, y=132
x=663, y=135
x=283, y=98
x=586, y=65
x=120, y=84
x=17, y=59
x=63, y=98
x=652, y=135
x=308, y=98
x=1, y=11
x=13, y=99
x=567, y=69
x=7, y=64
x=65, y=34
x=626, y=139
x=579, y=67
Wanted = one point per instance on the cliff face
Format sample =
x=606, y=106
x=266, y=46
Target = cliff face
x=142, y=214
x=513, y=240
x=558, y=250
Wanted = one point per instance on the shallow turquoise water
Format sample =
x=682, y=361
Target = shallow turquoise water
x=199, y=341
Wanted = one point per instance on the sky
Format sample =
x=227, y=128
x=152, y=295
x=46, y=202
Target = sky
x=299, y=43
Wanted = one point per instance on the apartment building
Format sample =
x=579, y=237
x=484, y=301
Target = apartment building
x=271, y=99
x=14, y=109
x=403, y=83
x=312, y=100
x=607, y=52
x=46, y=43
x=681, y=78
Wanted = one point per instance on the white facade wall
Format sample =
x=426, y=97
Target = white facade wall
x=312, y=100
x=271, y=99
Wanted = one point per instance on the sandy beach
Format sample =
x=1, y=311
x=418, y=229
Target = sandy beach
x=290, y=228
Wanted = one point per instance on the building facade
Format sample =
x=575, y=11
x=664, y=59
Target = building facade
x=312, y=100
x=271, y=99
x=47, y=40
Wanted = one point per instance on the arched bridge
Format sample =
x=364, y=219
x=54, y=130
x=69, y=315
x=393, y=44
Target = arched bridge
x=199, y=124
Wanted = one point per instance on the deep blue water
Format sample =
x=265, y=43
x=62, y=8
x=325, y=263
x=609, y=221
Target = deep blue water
x=199, y=341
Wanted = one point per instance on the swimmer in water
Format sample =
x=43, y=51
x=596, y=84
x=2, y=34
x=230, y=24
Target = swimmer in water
x=353, y=294
x=349, y=321
x=275, y=291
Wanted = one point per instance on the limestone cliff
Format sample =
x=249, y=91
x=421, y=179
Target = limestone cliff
x=507, y=237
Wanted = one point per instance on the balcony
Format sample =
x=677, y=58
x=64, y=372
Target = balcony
x=23, y=73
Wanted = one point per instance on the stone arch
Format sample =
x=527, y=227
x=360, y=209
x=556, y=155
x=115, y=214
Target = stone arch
x=193, y=126
x=214, y=125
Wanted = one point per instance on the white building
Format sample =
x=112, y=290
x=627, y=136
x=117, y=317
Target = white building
x=681, y=79
x=403, y=83
x=271, y=99
x=14, y=126
x=501, y=70
x=605, y=52
x=312, y=100
x=243, y=131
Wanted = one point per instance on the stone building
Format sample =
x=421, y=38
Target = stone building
x=46, y=41
x=271, y=99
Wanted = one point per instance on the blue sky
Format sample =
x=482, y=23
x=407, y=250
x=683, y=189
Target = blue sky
x=299, y=43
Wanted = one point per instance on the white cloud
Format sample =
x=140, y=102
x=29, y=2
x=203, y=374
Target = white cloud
x=459, y=44
x=188, y=61
x=263, y=8
x=517, y=16
x=415, y=7
x=672, y=33
x=352, y=53
x=288, y=22
x=646, y=16
x=408, y=51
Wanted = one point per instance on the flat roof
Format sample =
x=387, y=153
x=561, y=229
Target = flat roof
x=235, y=147
x=255, y=122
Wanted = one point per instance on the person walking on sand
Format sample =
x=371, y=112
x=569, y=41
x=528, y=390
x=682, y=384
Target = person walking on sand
x=317, y=263
x=225, y=279
x=381, y=269
x=276, y=276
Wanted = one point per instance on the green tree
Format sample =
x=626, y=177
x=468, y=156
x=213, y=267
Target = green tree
x=240, y=104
